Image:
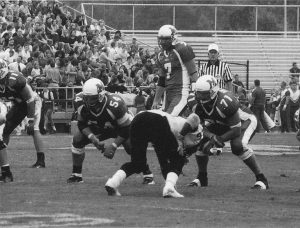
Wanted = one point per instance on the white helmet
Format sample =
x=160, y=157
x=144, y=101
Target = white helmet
x=3, y=69
x=93, y=91
x=206, y=88
x=167, y=36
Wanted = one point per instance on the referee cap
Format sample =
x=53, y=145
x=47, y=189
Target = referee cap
x=213, y=47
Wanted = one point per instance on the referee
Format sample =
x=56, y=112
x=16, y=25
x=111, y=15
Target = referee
x=217, y=68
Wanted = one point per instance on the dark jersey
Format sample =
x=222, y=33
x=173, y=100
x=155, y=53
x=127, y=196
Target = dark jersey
x=114, y=111
x=174, y=75
x=224, y=107
x=11, y=87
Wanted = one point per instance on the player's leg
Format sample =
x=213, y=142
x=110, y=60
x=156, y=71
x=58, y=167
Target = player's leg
x=248, y=131
x=148, y=177
x=176, y=104
x=139, y=143
x=37, y=137
x=13, y=118
x=202, y=162
x=78, y=154
x=249, y=159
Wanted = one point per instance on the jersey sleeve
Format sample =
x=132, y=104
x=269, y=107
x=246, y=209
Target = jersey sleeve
x=186, y=52
x=227, y=105
x=16, y=81
x=117, y=109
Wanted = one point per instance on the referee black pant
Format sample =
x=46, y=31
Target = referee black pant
x=151, y=127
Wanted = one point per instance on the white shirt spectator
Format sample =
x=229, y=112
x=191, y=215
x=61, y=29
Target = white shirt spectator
x=15, y=66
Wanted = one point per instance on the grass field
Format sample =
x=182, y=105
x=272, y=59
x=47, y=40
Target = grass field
x=42, y=198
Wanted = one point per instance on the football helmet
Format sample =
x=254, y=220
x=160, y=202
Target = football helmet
x=206, y=89
x=93, y=91
x=3, y=69
x=167, y=37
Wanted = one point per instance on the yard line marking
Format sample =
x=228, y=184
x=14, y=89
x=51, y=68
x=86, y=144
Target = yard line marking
x=32, y=219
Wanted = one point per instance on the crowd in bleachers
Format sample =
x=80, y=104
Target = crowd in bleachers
x=52, y=48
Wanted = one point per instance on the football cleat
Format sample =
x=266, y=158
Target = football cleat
x=148, y=179
x=260, y=185
x=261, y=182
x=111, y=191
x=39, y=164
x=170, y=192
x=6, y=177
x=194, y=183
x=75, y=178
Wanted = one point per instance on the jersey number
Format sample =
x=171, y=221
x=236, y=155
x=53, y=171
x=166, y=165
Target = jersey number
x=115, y=103
x=168, y=67
x=224, y=102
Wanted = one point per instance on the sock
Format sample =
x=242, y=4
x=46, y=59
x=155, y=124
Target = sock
x=5, y=169
x=40, y=156
x=202, y=162
x=77, y=169
x=117, y=179
x=171, y=179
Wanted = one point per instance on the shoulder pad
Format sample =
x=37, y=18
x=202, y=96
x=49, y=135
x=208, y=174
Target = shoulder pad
x=185, y=51
x=227, y=104
x=115, y=105
x=16, y=81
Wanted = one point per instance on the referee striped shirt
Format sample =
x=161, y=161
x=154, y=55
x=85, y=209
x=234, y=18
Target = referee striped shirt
x=220, y=70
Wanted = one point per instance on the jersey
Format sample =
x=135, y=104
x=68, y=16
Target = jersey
x=114, y=111
x=10, y=90
x=176, y=124
x=174, y=75
x=224, y=106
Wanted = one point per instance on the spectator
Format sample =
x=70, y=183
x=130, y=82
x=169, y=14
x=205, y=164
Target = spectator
x=285, y=112
x=114, y=85
x=295, y=72
x=17, y=66
x=48, y=108
x=140, y=102
x=236, y=83
x=257, y=105
x=293, y=103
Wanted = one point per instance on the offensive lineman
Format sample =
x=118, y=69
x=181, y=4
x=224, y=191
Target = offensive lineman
x=177, y=70
x=220, y=109
x=100, y=107
x=170, y=135
x=13, y=87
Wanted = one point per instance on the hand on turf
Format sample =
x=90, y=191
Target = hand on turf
x=109, y=151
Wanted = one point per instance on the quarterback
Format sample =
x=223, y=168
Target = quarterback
x=171, y=136
x=219, y=109
x=100, y=108
x=14, y=88
x=177, y=70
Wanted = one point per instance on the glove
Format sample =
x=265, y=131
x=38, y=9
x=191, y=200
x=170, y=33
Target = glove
x=99, y=145
x=30, y=128
x=2, y=145
x=109, y=151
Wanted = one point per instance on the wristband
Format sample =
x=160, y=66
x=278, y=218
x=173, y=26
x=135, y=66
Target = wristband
x=90, y=135
x=114, y=145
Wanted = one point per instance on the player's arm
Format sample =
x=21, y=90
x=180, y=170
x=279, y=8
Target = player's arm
x=192, y=70
x=82, y=122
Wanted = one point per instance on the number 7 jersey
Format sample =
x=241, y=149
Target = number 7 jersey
x=174, y=75
x=224, y=106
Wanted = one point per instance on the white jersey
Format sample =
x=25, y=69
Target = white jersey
x=176, y=124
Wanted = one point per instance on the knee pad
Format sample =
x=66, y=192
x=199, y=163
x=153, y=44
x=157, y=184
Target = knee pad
x=76, y=150
x=237, y=147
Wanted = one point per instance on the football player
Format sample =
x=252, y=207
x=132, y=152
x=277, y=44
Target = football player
x=170, y=137
x=177, y=70
x=220, y=110
x=103, y=115
x=14, y=88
